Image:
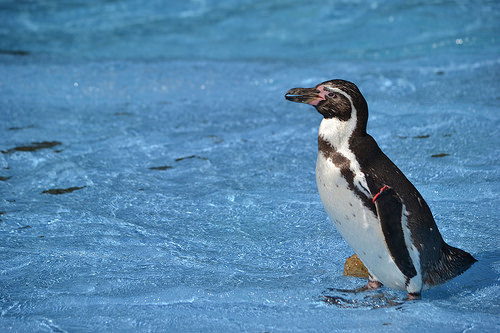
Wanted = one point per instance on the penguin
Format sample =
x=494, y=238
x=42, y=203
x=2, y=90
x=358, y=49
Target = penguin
x=376, y=209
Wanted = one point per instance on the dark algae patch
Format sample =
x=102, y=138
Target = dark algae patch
x=163, y=167
x=166, y=167
x=15, y=128
x=424, y=136
x=57, y=191
x=123, y=113
x=2, y=179
x=189, y=157
x=216, y=139
x=14, y=52
x=34, y=146
x=25, y=227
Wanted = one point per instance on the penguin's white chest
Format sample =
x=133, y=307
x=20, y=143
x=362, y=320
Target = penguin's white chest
x=357, y=224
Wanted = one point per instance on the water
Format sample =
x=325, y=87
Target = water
x=194, y=205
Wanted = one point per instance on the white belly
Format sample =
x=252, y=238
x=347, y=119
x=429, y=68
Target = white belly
x=357, y=225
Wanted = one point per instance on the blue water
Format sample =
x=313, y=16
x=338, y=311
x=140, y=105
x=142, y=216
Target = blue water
x=197, y=208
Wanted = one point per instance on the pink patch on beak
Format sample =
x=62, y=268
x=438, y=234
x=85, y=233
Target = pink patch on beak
x=321, y=96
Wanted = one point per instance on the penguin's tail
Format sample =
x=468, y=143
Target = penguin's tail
x=452, y=263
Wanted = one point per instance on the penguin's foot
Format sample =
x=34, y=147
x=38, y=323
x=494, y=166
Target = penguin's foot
x=371, y=285
x=413, y=296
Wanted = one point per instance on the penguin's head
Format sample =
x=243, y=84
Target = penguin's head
x=338, y=99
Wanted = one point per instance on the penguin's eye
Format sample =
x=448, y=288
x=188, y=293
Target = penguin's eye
x=332, y=95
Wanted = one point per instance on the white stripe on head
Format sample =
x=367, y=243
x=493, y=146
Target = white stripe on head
x=337, y=132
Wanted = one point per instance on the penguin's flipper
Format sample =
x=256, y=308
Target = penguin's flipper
x=390, y=214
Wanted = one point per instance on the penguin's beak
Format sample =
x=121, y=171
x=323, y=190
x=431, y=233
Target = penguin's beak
x=304, y=95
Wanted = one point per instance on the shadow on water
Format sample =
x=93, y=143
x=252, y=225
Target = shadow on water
x=350, y=299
